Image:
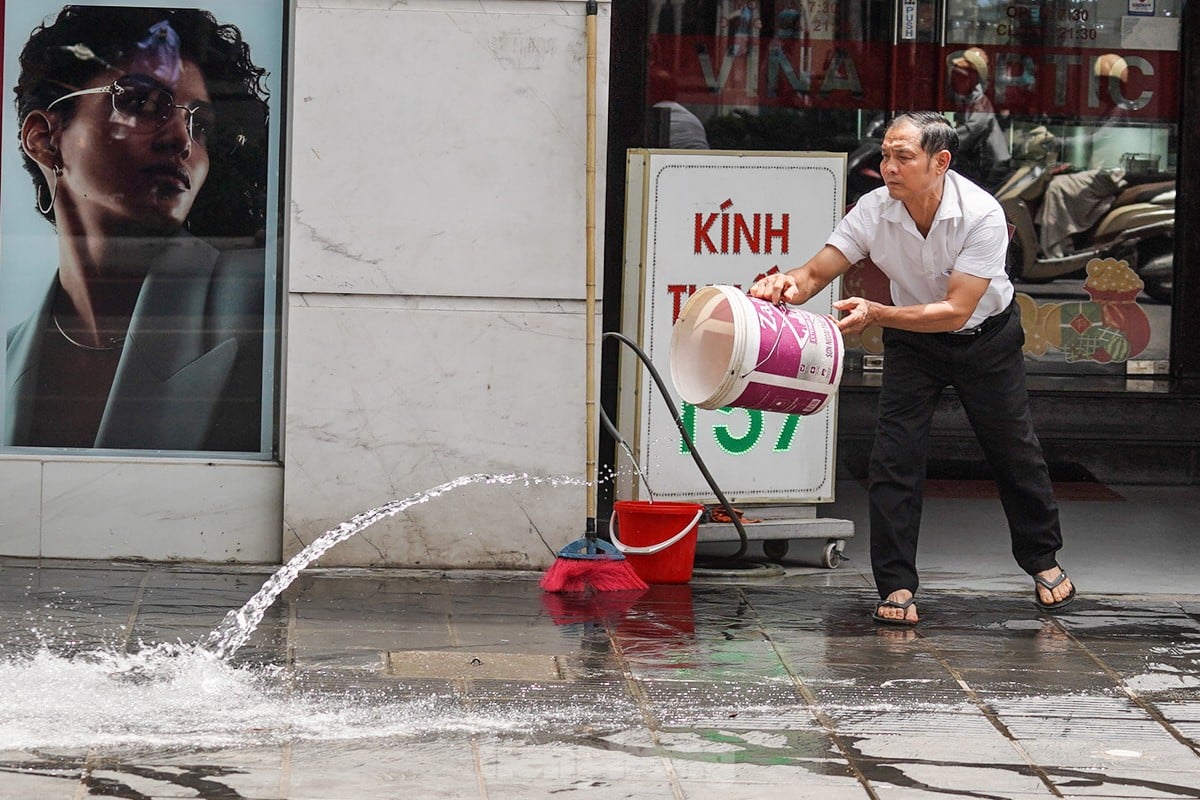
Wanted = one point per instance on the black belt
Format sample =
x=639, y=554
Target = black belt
x=994, y=321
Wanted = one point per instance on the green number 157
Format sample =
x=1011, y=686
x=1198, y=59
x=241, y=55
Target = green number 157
x=735, y=444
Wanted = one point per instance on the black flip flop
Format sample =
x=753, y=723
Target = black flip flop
x=1050, y=586
x=903, y=621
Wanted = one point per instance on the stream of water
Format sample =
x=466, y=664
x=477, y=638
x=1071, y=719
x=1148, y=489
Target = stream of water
x=190, y=694
x=235, y=629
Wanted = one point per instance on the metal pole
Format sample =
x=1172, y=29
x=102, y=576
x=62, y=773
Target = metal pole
x=590, y=244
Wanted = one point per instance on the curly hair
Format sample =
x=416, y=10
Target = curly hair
x=83, y=41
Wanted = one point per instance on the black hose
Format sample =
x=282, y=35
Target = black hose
x=687, y=439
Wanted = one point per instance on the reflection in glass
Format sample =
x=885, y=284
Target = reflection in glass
x=1083, y=92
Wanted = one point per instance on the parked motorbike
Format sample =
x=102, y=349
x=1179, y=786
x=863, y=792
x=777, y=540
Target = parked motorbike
x=1138, y=227
x=862, y=164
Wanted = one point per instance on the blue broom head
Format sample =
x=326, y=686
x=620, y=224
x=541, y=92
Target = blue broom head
x=591, y=549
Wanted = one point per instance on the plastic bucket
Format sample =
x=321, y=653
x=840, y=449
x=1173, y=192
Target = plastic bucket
x=658, y=538
x=730, y=349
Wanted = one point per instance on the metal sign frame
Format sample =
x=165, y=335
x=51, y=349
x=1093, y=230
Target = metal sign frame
x=702, y=217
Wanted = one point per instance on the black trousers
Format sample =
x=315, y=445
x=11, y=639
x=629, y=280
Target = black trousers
x=987, y=370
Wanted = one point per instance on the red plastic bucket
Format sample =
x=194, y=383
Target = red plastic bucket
x=658, y=538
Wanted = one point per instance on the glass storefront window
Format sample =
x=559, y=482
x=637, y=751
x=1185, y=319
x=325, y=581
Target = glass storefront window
x=1068, y=113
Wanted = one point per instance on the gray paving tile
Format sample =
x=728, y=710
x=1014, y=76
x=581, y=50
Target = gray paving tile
x=382, y=770
x=909, y=780
x=986, y=755
x=250, y=772
x=937, y=725
x=1082, y=749
x=553, y=769
x=161, y=782
x=558, y=709
x=1185, y=708
x=1034, y=683
x=890, y=792
x=1110, y=710
x=25, y=775
x=529, y=634
x=885, y=687
x=599, y=788
x=18, y=786
x=733, y=704
x=702, y=790
x=802, y=758
x=310, y=642
x=1129, y=784
x=754, y=780
x=685, y=659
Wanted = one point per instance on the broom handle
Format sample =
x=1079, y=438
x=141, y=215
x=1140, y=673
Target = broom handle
x=590, y=245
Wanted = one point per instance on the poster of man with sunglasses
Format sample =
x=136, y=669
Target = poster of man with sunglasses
x=139, y=226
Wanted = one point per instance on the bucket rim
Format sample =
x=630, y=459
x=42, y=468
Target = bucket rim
x=729, y=386
x=662, y=504
x=652, y=549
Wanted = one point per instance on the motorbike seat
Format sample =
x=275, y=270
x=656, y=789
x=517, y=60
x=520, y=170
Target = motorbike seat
x=1143, y=193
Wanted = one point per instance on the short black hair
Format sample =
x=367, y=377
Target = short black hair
x=83, y=41
x=936, y=131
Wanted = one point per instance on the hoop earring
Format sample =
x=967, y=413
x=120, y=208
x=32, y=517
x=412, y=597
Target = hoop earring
x=58, y=171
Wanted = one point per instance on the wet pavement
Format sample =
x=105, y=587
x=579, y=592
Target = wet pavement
x=363, y=684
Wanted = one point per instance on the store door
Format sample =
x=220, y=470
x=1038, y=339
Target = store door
x=1068, y=113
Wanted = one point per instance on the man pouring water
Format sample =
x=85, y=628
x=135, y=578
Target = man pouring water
x=941, y=241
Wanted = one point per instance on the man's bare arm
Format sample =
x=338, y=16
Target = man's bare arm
x=798, y=285
x=962, y=296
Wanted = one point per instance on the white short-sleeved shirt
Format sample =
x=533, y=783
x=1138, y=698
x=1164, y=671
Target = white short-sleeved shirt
x=969, y=234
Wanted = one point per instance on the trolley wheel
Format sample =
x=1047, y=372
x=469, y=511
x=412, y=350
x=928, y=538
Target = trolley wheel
x=831, y=556
x=775, y=549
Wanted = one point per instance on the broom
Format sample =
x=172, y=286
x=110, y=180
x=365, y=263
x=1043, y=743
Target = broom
x=591, y=564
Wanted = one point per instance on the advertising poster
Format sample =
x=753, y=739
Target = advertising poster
x=139, y=226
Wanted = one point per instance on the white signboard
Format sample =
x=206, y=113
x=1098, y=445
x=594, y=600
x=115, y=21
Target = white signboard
x=695, y=218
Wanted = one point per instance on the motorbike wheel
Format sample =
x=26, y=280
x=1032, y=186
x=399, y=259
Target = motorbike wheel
x=1014, y=265
x=1014, y=260
x=1158, y=275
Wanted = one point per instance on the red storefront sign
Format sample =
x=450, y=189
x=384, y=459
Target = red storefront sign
x=838, y=74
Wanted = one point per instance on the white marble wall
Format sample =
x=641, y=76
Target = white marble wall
x=162, y=509
x=435, y=320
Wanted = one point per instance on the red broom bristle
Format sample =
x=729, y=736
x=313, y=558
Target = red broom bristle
x=596, y=574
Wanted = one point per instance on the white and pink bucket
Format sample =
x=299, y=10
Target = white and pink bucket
x=730, y=349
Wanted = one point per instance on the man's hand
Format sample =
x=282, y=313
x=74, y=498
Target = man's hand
x=860, y=314
x=777, y=288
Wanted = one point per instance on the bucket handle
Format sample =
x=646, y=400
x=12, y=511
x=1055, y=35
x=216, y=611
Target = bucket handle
x=786, y=320
x=649, y=549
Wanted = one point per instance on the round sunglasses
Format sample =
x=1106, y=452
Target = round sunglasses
x=149, y=105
